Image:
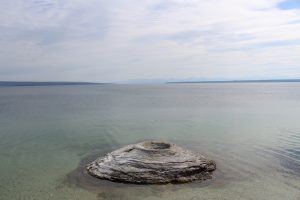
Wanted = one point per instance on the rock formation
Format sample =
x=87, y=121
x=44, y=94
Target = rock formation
x=152, y=162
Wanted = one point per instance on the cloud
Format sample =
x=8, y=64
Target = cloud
x=97, y=40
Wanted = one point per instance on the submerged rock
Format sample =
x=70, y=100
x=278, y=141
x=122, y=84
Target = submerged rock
x=152, y=162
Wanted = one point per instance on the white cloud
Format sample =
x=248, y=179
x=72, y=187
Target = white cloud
x=92, y=40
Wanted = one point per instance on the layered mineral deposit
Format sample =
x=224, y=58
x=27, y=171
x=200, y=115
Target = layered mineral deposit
x=152, y=162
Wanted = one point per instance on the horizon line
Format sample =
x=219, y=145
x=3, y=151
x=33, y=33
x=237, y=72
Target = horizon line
x=49, y=83
x=240, y=81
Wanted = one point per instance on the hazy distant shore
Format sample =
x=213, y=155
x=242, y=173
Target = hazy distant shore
x=62, y=83
x=32, y=83
x=241, y=81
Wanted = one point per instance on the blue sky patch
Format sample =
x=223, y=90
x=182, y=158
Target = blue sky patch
x=289, y=4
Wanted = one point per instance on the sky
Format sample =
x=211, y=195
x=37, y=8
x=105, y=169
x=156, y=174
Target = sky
x=118, y=40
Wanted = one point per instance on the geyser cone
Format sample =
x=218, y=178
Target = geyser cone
x=152, y=162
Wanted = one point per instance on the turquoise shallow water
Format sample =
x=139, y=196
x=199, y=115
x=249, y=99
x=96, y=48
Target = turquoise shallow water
x=252, y=131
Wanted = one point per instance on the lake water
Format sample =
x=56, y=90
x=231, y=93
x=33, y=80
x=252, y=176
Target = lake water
x=252, y=131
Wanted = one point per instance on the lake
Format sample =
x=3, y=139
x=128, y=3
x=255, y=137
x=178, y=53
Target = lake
x=251, y=130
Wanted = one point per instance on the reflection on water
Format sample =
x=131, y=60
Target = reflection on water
x=48, y=134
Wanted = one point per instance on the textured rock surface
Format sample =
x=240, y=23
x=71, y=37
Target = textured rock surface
x=152, y=162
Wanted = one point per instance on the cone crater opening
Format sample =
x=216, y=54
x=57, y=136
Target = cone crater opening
x=157, y=145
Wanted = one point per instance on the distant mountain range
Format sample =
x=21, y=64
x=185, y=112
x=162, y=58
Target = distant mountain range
x=34, y=83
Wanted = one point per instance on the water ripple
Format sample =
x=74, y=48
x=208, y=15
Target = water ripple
x=288, y=151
